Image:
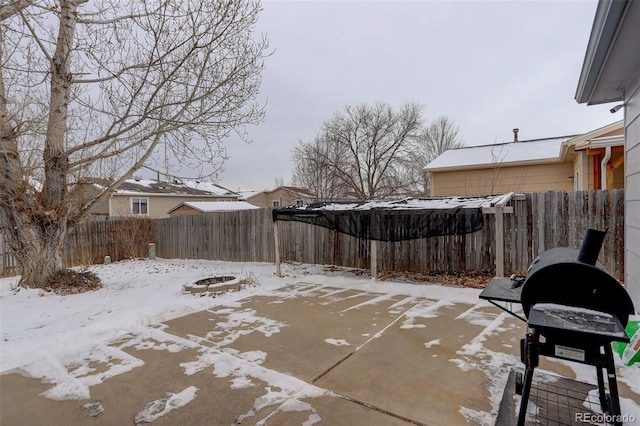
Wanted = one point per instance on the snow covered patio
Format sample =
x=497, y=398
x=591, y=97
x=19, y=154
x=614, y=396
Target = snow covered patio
x=318, y=346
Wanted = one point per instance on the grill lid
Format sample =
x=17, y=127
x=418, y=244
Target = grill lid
x=572, y=277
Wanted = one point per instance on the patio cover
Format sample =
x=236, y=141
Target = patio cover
x=395, y=220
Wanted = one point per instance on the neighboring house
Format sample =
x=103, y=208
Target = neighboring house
x=153, y=199
x=193, y=208
x=281, y=196
x=611, y=73
x=563, y=163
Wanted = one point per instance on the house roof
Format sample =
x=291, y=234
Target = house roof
x=605, y=141
x=209, y=187
x=297, y=190
x=215, y=206
x=612, y=58
x=538, y=150
x=248, y=194
x=154, y=187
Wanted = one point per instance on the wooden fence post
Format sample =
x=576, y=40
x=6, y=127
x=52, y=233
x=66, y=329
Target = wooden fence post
x=499, y=215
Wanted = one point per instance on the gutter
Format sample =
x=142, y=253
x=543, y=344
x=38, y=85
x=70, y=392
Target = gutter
x=603, y=167
x=603, y=35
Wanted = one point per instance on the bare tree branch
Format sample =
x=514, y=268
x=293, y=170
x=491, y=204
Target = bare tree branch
x=361, y=152
x=13, y=8
x=438, y=137
x=91, y=90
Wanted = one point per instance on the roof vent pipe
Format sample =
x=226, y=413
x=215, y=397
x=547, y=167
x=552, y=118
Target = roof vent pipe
x=515, y=135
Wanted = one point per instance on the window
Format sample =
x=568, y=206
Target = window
x=140, y=206
x=275, y=203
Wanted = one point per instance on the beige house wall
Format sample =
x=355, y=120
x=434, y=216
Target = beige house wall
x=282, y=196
x=581, y=171
x=184, y=211
x=259, y=200
x=101, y=209
x=158, y=205
x=498, y=180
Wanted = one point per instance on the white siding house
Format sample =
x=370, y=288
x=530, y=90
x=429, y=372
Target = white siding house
x=611, y=73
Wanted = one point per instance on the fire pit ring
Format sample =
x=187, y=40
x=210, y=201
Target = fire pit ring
x=214, y=285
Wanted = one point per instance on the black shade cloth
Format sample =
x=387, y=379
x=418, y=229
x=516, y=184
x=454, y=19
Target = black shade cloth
x=388, y=221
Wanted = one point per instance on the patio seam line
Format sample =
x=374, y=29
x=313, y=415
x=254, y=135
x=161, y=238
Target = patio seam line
x=362, y=403
x=375, y=336
x=380, y=410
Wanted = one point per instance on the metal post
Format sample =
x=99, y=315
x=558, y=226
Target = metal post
x=374, y=259
x=152, y=251
x=276, y=238
x=614, y=409
x=531, y=355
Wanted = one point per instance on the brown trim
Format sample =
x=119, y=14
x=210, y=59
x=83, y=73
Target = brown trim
x=619, y=162
x=595, y=165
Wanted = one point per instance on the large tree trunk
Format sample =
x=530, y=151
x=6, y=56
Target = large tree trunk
x=37, y=247
x=37, y=218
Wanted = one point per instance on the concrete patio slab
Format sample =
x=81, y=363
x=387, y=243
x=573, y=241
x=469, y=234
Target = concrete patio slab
x=414, y=376
x=301, y=355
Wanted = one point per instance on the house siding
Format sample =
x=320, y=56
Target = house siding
x=185, y=211
x=282, y=196
x=532, y=178
x=632, y=193
x=101, y=208
x=581, y=168
x=158, y=205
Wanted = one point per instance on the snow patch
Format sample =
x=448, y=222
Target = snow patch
x=158, y=408
x=431, y=343
x=337, y=342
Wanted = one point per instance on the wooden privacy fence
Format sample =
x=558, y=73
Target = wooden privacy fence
x=539, y=221
x=238, y=236
x=92, y=240
x=119, y=239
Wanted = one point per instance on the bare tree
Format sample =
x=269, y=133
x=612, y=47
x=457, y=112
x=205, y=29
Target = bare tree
x=361, y=151
x=279, y=181
x=312, y=169
x=440, y=136
x=92, y=89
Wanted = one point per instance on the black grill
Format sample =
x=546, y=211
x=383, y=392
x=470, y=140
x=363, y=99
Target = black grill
x=574, y=310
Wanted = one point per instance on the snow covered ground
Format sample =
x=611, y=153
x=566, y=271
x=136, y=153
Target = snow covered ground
x=42, y=332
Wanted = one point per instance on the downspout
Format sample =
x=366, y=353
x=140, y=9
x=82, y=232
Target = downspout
x=603, y=168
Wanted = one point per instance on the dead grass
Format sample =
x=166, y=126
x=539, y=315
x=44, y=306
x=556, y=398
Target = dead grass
x=470, y=279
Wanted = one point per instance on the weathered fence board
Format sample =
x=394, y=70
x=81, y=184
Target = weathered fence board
x=539, y=222
x=90, y=241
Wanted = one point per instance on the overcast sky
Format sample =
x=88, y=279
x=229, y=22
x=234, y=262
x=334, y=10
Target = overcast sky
x=489, y=66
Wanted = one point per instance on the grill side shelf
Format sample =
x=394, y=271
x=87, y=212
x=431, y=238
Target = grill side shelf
x=503, y=290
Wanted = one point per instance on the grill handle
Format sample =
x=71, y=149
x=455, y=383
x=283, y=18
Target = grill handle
x=591, y=246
